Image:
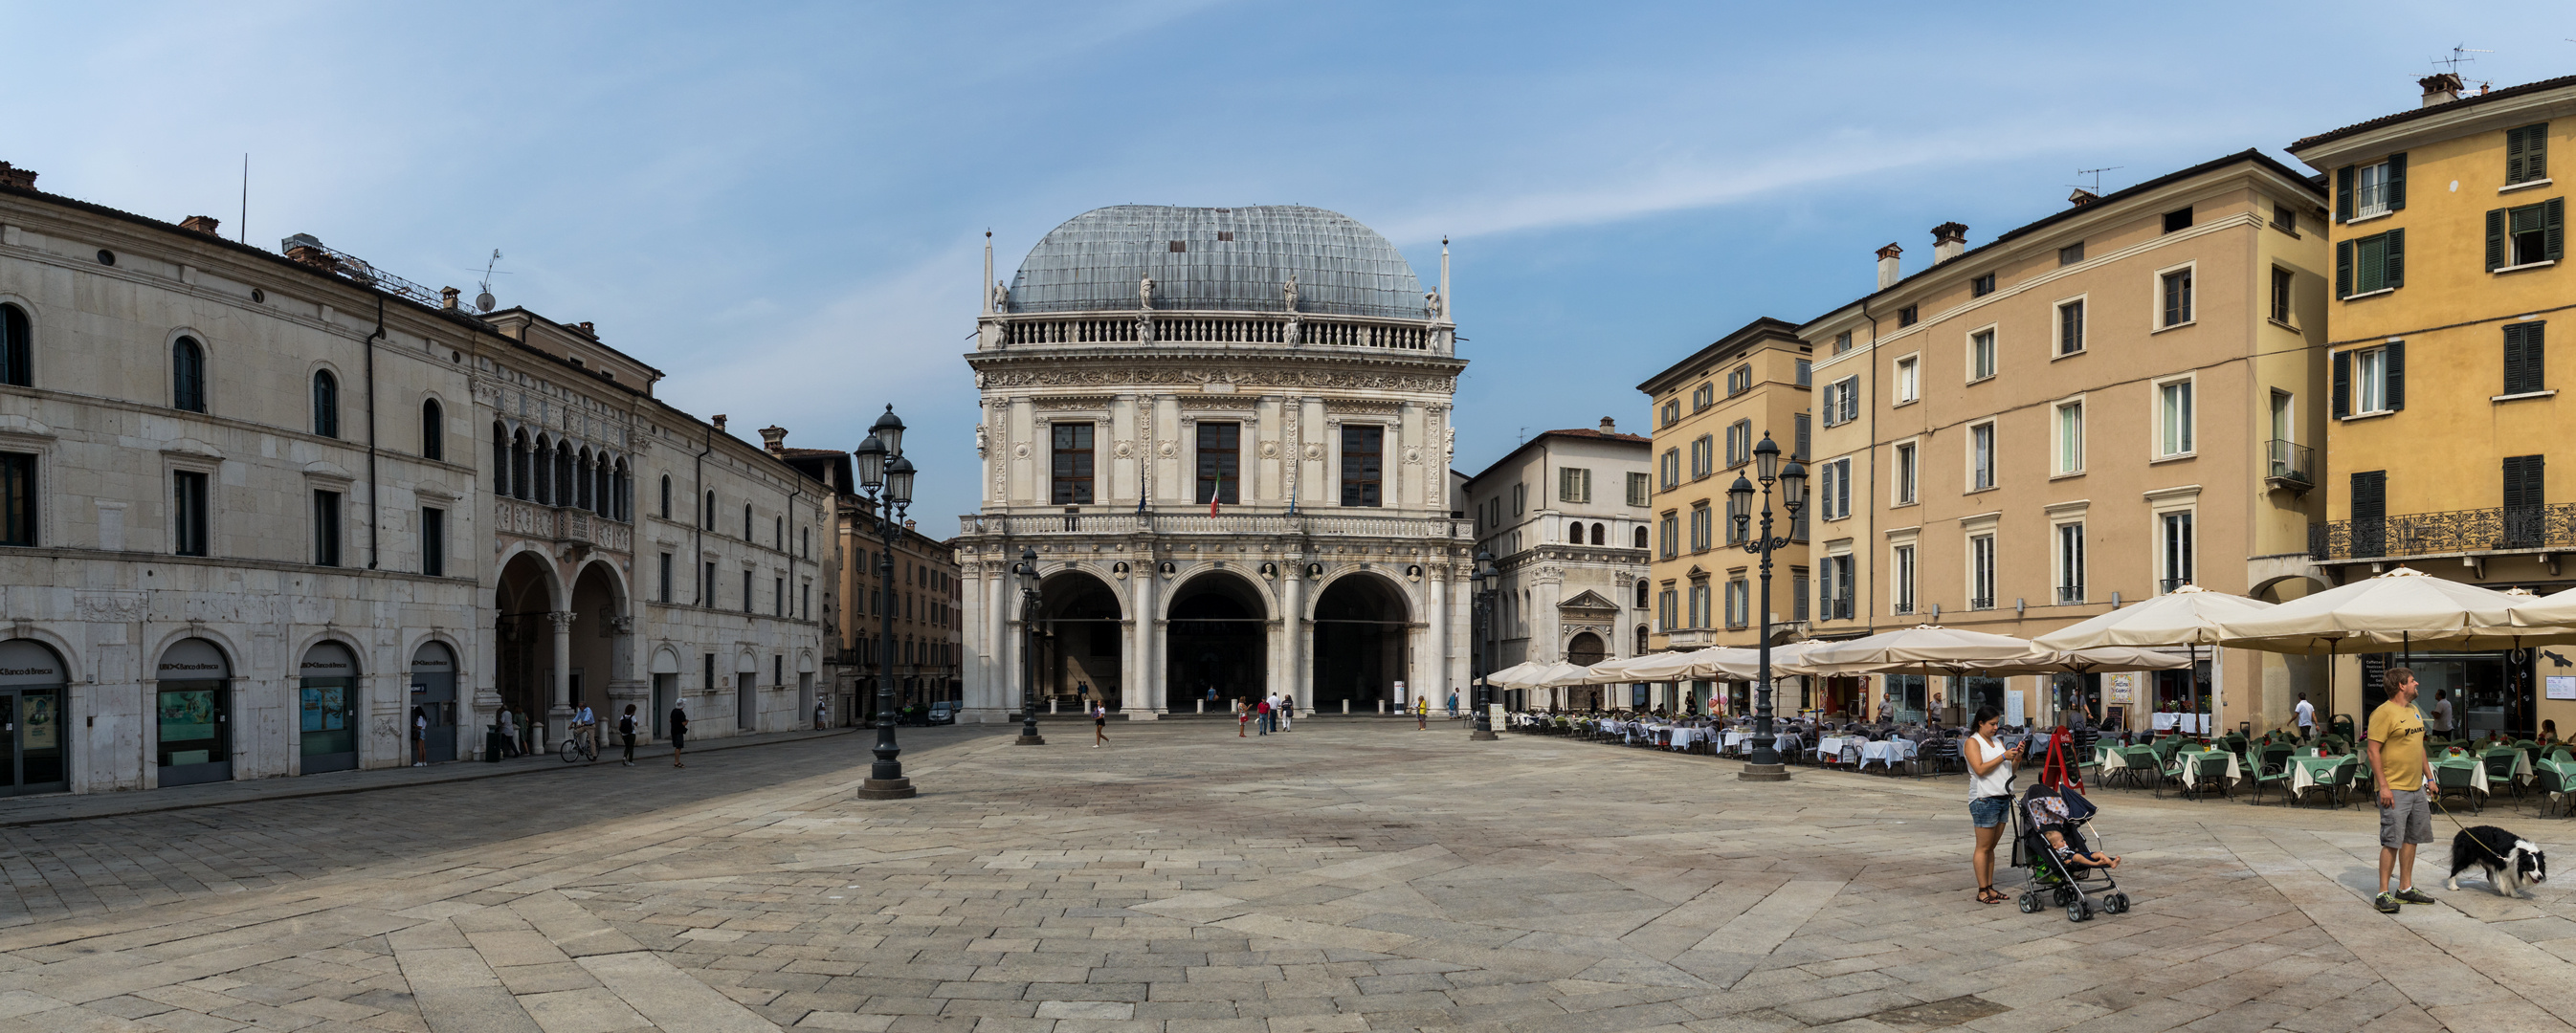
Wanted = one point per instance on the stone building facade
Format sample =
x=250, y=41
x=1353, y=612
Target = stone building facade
x=263, y=508
x=1567, y=517
x=1225, y=434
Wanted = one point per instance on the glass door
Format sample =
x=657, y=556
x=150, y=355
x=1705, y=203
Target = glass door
x=327, y=713
x=195, y=744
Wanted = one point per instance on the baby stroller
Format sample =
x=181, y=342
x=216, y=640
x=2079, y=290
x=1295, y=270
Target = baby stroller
x=2061, y=875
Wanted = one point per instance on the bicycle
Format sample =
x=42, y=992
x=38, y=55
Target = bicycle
x=580, y=744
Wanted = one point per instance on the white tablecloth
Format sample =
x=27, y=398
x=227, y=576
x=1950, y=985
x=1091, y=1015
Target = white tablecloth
x=2191, y=767
x=1684, y=736
x=1886, y=753
x=2195, y=723
x=1829, y=749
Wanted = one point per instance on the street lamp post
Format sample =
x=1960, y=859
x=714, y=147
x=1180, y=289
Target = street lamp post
x=882, y=465
x=1026, y=570
x=1483, y=618
x=1765, y=765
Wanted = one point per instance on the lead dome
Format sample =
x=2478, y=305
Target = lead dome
x=1224, y=259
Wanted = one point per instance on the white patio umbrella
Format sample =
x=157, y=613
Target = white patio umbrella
x=2187, y=616
x=1925, y=648
x=2404, y=607
x=1551, y=675
x=1511, y=677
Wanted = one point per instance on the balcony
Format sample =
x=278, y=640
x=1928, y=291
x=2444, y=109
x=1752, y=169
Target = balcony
x=1306, y=331
x=2070, y=595
x=2457, y=532
x=561, y=524
x=1271, y=525
x=2290, y=466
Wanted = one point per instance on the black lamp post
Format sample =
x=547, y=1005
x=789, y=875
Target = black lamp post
x=1026, y=571
x=1765, y=765
x=882, y=465
x=1482, y=616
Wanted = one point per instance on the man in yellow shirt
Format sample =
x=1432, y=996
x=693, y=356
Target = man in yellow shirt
x=2399, y=767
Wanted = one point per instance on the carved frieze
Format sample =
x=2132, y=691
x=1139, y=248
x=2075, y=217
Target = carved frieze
x=1061, y=376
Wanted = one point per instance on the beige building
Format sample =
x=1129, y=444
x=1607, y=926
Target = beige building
x=2096, y=407
x=1566, y=516
x=1709, y=411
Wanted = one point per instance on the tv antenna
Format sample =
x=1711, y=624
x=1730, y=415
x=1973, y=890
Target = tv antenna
x=2096, y=188
x=483, y=302
x=2460, y=56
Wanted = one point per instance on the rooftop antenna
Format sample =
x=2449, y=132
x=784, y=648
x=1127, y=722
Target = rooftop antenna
x=2460, y=56
x=242, y=231
x=2096, y=188
x=483, y=302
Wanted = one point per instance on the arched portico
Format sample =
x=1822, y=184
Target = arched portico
x=527, y=604
x=600, y=675
x=1083, y=631
x=1363, y=634
x=1216, y=636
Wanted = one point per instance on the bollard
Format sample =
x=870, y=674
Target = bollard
x=1346, y=708
x=1202, y=706
x=1381, y=708
x=1050, y=705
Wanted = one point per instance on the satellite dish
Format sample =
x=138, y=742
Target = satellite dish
x=483, y=302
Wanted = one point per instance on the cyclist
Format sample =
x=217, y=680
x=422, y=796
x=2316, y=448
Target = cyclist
x=585, y=727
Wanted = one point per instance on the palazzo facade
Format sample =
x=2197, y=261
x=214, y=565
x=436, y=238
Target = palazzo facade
x=1225, y=434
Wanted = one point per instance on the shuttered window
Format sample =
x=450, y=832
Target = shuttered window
x=2527, y=235
x=2362, y=191
x=2370, y=380
x=2525, y=358
x=2373, y=263
x=1805, y=431
x=2526, y=501
x=2526, y=154
x=2370, y=513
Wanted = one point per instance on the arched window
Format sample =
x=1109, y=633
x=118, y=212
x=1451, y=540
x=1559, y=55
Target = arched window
x=500, y=459
x=17, y=348
x=1641, y=542
x=1641, y=595
x=666, y=496
x=433, y=430
x=564, y=473
x=779, y=533
x=1600, y=535
x=326, y=404
x=187, y=375
x=1641, y=640
x=522, y=467
x=541, y=490
x=582, y=494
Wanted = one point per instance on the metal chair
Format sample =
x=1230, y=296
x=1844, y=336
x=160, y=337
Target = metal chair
x=2500, y=765
x=2448, y=778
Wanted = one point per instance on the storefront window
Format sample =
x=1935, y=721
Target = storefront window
x=328, y=708
x=194, y=714
x=32, y=680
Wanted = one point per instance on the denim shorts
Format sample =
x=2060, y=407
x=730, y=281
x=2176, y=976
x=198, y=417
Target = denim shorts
x=1989, y=811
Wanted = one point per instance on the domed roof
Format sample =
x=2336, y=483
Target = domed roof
x=1217, y=258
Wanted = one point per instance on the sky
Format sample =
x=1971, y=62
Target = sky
x=783, y=206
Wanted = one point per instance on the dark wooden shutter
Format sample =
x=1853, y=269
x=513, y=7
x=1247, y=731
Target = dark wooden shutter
x=2343, y=269
x=2513, y=349
x=2342, y=384
x=2396, y=182
x=1805, y=429
x=2394, y=361
x=2535, y=151
x=2535, y=356
x=2369, y=513
x=2495, y=239
x=2343, y=194
x=2394, y=260
x=2513, y=155
x=2553, y=223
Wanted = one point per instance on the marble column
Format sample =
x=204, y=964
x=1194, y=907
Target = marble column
x=1296, y=638
x=561, y=714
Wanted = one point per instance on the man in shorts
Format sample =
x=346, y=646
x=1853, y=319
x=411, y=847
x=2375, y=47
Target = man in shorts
x=2399, y=767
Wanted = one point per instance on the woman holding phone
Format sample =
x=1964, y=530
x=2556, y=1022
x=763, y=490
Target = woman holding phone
x=1990, y=795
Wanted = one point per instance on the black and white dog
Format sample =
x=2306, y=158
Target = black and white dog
x=2510, y=861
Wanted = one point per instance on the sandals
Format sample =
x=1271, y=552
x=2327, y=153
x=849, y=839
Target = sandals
x=1990, y=895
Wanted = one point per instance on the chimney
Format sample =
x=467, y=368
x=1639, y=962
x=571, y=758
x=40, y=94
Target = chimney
x=1609, y=426
x=2440, y=88
x=23, y=179
x=719, y=421
x=1887, y=274
x=1949, y=240
x=588, y=330
x=201, y=223
x=774, y=438
x=2082, y=197
x=447, y=298
x=909, y=525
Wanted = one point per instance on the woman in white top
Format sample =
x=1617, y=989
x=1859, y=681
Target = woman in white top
x=1990, y=794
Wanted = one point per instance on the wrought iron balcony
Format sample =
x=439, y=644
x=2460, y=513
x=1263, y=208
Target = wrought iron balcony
x=2289, y=465
x=2454, y=532
x=1982, y=603
x=2068, y=595
x=1901, y=609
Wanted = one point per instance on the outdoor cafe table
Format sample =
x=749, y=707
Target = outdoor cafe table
x=1886, y=752
x=1829, y=749
x=2310, y=771
x=1682, y=736
x=2477, y=772
x=2190, y=761
x=2521, y=762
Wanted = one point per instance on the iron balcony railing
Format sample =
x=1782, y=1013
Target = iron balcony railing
x=1902, y=609
x=1983, y=602
x=2453, y=531
x=1272, y=524
x=2069, y=594
x=2290, y=463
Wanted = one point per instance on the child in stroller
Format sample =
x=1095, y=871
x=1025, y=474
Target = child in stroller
x=2049, y=843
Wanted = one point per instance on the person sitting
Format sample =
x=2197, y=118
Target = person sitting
x=2548, y=733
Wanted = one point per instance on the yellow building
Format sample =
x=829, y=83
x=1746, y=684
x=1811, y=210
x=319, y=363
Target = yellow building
x=2448, y=237
x=1709, y=412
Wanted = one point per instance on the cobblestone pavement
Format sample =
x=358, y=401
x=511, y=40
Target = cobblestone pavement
x=1349, y=876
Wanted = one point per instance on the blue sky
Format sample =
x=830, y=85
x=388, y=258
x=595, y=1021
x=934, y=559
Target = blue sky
x=782, y=206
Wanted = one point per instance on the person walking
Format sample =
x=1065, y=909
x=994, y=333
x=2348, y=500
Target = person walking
x=419, y=737
x=819, y=711
x=2305, y=717
x=510, y=733
x=1453, y=703
x=1287, y=711
x=2399, y=767
x=2438, y=723
x=1990, y=795
x=1242, y=718
x=1099, y=725
x=626, y=732
x=679, y=733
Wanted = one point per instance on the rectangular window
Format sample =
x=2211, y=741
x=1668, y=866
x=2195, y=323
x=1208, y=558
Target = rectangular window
x=1842, y=401
x=1799, y=585
x=2284, y=217
x=1835, y=600
x=1699, y=604
x=1699, y=528
x=1981, y=355
x=326, y=528
x=2525, y=358
x=2364, y=265
x=2071, y=253
x=1909, y=379
x=2176, y=292
x=1980, y=286
x=1806, y=373
x=433, y=542
x=2526, y=154
x=1672, y=411
x=2370, y=380
x=2173, y=419
x=1072, y=457
x=707, y=587
x=778, y=594
x=2177, y=551
x=1574, y=484
x=1981, y=572
x=746, y=592
x=1905, y=316
x=2374, y=189
x=1703, y=396
x=1739, y=603
x=1842, y=342
x=1902, y=579
x=188, y=513
x=2070, y=438
x=1702, y=454
x=1981, y=457
x=2526, y=502
x=1671, y=530
x=2177, y=220
x=2369, y=513
x=2070, y=563
x=1743, y=450
x=1220, y=463
x=2528, y=235
x=1805, y=433
x=2283, y=284
x=1641, y=489
x=1905, y=473
x=1834, y=489
x=17, y=499
x=1666, y=602
x=2070, y=327
x=1363, y=463
x=1739, y=381
x=666, y=579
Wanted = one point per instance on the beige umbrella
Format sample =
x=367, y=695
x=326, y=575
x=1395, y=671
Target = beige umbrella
x=1926, y=648
x=2187, y=616
x=1513, y=677
x=2404, y=607
x=1560, y=673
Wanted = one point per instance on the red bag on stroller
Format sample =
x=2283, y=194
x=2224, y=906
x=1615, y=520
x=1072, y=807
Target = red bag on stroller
x=2060, y=769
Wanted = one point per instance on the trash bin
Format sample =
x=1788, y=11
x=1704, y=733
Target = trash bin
x=492, y=744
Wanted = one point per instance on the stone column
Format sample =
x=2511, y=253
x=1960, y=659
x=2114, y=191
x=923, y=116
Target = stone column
x=1295, y=675
x=1142, y=679
x=562, y=712
x=1436, y=634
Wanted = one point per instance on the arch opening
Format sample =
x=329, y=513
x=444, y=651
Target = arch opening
x=1362, y=645
x=433, y=716
x=193, y=713
x=35, y=753
x=1217, y=641
x=523, y=646
x=1080, y=658
x=328, y=707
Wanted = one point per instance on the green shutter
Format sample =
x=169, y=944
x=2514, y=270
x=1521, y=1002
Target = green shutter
x=2342, y=384
x=2343, y=268
x=2343, y=194
x=2495, y=239
x=2514, y=348
x=2396, y=182
x=2394, y=259
x=2553, y=223
x=2394, y=362
x=2535, y=151
x=2513, y=139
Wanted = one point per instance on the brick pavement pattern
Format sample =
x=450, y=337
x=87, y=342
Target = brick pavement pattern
x=1349, y=876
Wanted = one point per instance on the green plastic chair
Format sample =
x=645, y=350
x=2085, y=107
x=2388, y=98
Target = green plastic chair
x=2264, y=777
x=2450, y=778
x=2337, y=785
x=2499, y=765
x=2211, y=771
x=2550, y=781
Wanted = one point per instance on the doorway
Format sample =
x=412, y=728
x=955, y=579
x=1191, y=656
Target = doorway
x=1360, y=639
x=1217, y=638
x=1079, y=660
x=746, y=698
x=194, y=713
x=328, y=708
x=32, y=686
x=433, y=690
x=666, y=689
